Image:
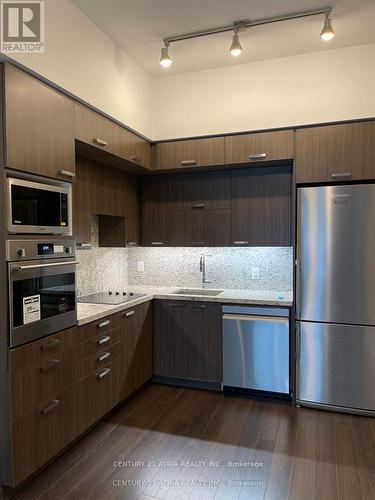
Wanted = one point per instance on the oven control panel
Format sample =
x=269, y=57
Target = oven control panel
x=36, y=249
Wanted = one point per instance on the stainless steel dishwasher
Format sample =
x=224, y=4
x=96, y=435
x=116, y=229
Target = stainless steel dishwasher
x=256, y=349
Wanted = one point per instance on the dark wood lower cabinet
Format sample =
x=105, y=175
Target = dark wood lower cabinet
x=188, y=340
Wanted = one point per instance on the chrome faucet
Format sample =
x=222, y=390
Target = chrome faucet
x=202, y=267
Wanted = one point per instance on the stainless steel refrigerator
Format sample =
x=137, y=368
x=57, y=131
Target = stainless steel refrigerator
x=336, y=298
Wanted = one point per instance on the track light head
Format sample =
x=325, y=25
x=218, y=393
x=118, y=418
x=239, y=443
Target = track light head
x=165, y=59
x=235, y=48
x=327, y=32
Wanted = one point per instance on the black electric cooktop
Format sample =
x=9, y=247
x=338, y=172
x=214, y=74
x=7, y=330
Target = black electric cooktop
x=111, y=298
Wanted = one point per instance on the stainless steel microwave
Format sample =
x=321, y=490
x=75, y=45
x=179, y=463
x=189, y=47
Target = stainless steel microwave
x=37, y=205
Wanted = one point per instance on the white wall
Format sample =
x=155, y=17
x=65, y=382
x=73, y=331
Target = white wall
x=83, y=60
x=309, y=88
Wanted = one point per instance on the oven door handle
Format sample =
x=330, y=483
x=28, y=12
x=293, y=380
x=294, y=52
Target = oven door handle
x=52, y=264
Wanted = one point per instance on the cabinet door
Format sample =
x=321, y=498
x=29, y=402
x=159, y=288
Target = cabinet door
x=261, y=210
x=191, y=153
x=203, y=331
x=135, y=149
x=96, y=130
x=43, y=432
x=336, y=152
x=200, y=190
x=39, y=129
x=137, y=348
x=264, y=146
x=154, y=206
x=82, y=202
x=170, y=342
x=132, y=209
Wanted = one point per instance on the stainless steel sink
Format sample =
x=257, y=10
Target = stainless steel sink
x=198, y=291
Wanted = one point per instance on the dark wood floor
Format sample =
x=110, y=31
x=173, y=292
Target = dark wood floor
x=173, y=443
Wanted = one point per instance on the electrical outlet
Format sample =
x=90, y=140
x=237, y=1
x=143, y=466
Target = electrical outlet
x=255, y=273
x=141, y=266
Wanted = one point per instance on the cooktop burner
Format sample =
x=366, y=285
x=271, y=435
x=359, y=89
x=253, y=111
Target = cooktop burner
x=111, y=298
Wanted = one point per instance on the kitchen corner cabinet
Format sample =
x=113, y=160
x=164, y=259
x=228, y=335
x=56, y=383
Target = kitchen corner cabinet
x=258, y=147
x=335, y=153
x=261, y=206
x=188, y=340
x=189, y=153
x=39, y=127
x=154, y=210
x=82, y=203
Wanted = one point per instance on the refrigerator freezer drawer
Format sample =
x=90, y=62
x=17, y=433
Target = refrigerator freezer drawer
x=256, y=352
x=336, y=365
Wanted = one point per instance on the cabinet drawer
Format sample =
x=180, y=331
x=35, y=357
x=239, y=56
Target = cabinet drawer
x=101, y=358
x=188, y=154
x=98, y=344
x=99, y=327
x=264, y=146
x=98, y=393
x=43, y=432
x=39, y=381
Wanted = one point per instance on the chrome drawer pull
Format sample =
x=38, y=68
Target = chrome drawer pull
x=99, y=142
x=188, y=162
x=104, y=356
x=241, y=242
x=48, y=366
x=339, y=175
x=47, y=409
x=174, y=304
x=84, y=245
x=104, y=373
x=104, y=323
x=50, y=344
x=129, y=313
x=67, y=173
x=132, y=243
x=157, y=243
x=104, y=340
x=198, y=205
x=257, y=156
x=198, y=306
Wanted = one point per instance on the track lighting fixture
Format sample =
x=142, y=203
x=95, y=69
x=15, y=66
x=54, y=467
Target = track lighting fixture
x=235, y=48
x=165, y=60
x=327, y=33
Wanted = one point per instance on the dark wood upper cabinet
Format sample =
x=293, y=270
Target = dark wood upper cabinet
x=187, y=340
x=190, y=153
x=82, y=209
x=135, y=149
x=257, y=147
x=261, y=206
x=39, y=127
x=107, y=191
x=154, y=207
x=335, y=152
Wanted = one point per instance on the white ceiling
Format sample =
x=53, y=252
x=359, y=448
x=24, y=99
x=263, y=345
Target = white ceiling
x=138, y=26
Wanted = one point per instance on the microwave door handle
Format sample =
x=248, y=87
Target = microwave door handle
x=52, y=264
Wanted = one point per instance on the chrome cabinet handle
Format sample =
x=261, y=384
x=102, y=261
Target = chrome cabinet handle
x=104, y=323
x=50, y=344
x=175, y=304
x=99, y=142
x=198, y=306
x=104, y=340
x=132, y=243
x=104, y=356
x=67, y=173
x=198, y=205
x=136, y=158
x=84, y=245
x=157, y=243
x=129, y=313
x=258, y=156
x=104, y=373
x=53, y=264
x=48, y=366
x=188, y=162
x=241, y=242
x=47, y=409
x=340, y=175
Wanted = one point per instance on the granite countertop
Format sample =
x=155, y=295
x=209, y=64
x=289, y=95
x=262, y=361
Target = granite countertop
x=91, y=312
